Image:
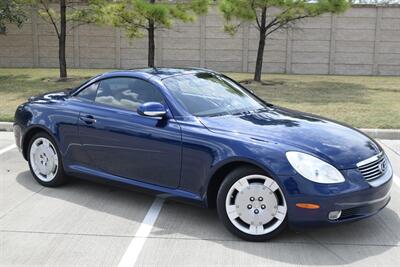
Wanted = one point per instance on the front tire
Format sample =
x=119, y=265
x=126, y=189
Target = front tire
x=252, y=205
x=45, y=161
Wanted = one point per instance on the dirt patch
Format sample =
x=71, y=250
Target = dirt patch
x=264, y=83
x=61, y=80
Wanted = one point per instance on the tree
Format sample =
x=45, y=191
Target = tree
x=58, y=18
x=11, y=11
x=138, y=17
x=270, y=16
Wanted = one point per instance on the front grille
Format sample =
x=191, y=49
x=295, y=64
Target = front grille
x=374, y=167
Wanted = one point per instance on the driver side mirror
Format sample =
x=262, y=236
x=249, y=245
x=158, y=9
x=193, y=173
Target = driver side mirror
x=152, y=109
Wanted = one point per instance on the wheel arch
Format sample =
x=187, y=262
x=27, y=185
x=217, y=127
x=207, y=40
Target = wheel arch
x=222, y=171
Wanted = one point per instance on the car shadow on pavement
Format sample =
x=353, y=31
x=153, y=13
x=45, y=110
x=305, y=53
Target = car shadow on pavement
x=338, y=245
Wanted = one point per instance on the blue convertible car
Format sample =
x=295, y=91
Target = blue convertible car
x=197, y=135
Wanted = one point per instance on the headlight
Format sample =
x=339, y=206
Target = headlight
x=314, y=169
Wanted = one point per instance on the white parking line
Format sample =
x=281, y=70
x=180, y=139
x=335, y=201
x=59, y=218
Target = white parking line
x=8, y=148
x=136, y=245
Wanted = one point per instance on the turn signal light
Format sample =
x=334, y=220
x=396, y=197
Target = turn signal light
x=309, y=206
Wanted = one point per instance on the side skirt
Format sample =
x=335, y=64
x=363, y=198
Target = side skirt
x=86, y=173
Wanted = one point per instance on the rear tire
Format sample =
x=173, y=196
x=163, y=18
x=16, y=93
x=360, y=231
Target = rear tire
x=45, y=161
x=252, y=205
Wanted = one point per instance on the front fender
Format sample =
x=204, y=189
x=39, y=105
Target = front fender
x=268, y=156
x=205, y=153
x=60, y=123
x=271, y=160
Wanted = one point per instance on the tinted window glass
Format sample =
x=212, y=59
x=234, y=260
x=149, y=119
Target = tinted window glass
x=89, y=93
x=127, y=93
x=205, y=94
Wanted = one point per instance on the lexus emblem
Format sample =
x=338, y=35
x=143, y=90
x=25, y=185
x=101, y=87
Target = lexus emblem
x=382, y=166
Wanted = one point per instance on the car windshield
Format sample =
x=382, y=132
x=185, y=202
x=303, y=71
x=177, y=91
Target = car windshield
x=206, y=94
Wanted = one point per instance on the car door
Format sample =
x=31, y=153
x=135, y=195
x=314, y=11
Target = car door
x=121, y=142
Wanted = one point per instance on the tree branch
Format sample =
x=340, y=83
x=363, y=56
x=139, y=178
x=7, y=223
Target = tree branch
x=78, y=25
x=47, y=10
x=284, y=23
x=141, y=26
x=256, y=15
x=271, y=23
x=275, y=21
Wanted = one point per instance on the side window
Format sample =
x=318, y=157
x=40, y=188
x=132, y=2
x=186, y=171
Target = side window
x=89, y=93
x=127, y=93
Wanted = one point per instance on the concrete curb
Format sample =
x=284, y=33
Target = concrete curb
x=390, y=134
x=6, y=126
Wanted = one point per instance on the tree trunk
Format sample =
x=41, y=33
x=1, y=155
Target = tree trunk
x=261, y=45
x=260, y=57
x=61, y=40
x=152, y=46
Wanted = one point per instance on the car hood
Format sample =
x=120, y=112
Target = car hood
x=340, y=145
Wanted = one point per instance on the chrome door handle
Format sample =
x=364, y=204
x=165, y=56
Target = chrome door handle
x=88, y=119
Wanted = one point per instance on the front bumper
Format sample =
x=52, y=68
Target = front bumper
x=18, y=136
x=356, y=199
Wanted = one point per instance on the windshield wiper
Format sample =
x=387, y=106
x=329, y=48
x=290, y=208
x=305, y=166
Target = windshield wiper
x=218, y=114
x=244, y=112
x=261, y=110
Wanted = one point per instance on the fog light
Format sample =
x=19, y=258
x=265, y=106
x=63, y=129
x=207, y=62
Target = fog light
x=334, y=215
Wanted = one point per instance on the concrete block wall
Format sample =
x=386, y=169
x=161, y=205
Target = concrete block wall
x=362, y=41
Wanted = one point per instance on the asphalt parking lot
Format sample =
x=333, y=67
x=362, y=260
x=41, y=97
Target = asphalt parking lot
x=89, y=224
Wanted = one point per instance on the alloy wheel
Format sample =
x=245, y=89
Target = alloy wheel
x=44, y=159
x=256, y=205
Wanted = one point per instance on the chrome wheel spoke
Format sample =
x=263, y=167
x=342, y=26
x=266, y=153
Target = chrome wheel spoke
x=256, y=229
x=281, y=213
x=34, y=148
x=271, y=184
x=46, y=143
x=241, y=184
x=232, y=213
x=55, y=159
